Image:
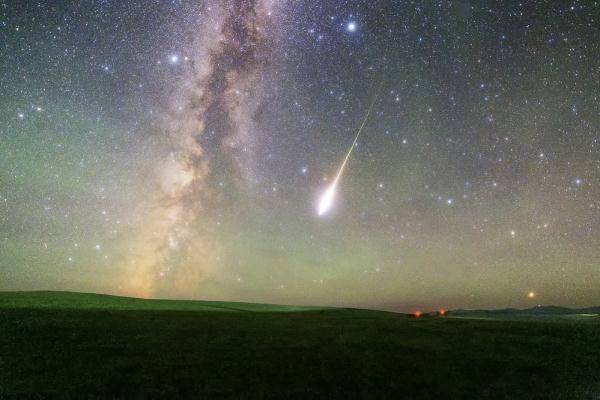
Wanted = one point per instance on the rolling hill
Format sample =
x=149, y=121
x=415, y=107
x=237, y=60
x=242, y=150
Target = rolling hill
x=77, y=345
x=86, y=301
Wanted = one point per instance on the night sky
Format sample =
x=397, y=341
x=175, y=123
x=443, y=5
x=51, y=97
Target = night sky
x=177, y=149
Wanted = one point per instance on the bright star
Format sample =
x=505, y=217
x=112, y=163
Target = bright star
x=351, y=27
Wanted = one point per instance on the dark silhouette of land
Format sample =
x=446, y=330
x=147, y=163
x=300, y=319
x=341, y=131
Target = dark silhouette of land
x=76, y=345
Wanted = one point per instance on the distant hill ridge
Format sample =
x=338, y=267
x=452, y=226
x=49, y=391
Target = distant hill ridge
x=533, y=311
x=66, y=300
x=79, y=300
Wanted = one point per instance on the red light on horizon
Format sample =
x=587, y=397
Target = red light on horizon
x=417, y=314
x=442, y=312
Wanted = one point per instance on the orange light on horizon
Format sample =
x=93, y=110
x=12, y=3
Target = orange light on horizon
x=442, y=312
x=417, y=314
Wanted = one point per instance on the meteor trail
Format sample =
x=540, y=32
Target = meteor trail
x=327, y=197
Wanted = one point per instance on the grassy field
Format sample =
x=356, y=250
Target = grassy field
x=69, y=345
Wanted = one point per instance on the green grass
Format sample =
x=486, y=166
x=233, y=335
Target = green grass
x=85, y=301
x=71, y=345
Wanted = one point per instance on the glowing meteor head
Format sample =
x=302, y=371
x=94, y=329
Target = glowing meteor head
x=326, y=200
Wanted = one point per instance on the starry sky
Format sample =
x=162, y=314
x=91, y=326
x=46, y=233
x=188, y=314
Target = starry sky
x=177, y=149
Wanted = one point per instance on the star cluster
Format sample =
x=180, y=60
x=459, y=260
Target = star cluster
x=177, y=149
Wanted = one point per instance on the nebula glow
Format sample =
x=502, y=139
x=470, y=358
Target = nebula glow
x=222, y=70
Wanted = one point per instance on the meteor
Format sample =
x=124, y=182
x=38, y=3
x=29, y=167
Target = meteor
x=326, y=200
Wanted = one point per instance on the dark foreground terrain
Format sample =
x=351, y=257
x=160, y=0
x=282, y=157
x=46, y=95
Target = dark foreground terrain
x=64, y=345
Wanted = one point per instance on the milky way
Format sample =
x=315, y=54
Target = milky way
x=220, y=93
x=178, y=148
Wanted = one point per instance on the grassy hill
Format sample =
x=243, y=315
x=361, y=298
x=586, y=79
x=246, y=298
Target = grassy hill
x=81, y=345
x=86, y=301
